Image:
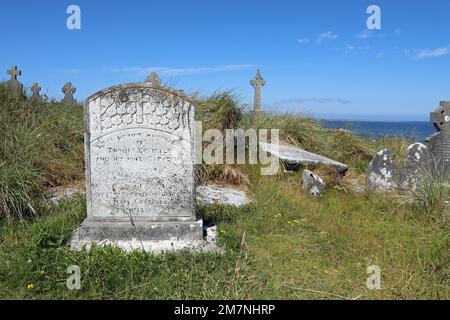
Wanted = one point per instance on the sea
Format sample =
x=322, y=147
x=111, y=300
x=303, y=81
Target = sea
x=374, y=130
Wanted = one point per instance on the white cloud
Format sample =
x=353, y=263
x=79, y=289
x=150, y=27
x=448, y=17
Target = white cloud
x=303, y=41
x=427, y=53
x=329, y=35
x=352, y=48
x=166, y=71
x=73, y=71
x=319, y=100
x=364, y=34
x=380, y=55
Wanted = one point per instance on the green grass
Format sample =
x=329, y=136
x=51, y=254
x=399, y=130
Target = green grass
x=285, y=245
x=42, y=146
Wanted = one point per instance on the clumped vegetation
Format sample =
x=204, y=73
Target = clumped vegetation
x=42, y=146
x=285, y=245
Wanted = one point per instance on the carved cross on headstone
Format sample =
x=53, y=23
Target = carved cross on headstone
x=13, y=83
x=153, y=79
x=35, y=97
x=441, y=116
x=257, y=83
x=68, y=91
x=439, y=143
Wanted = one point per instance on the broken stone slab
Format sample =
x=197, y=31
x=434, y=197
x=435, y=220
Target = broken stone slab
x=206, y=245
x=312, y=183
x=220, y=194
x=382, y=172
x=293, y=157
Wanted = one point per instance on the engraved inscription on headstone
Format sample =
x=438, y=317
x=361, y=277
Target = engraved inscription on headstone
x=439, y=143
x=35, y=89
x=68, y=91
x=139, y=165
x=13, y=84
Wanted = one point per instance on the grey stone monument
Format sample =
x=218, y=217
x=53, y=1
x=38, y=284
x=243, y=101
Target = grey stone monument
x=13, y=84
x=257, y=83
x=416, y=160
x=35, y=89
x=439, y=143
x=382, y=172
x=139, y=152
x=68, y=91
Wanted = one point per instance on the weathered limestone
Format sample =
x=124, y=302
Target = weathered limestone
x=382, y=172
x=293, y=158
x=68, y=91
x=13, y=84
x=312, y=183
x=218, y=194
x=139, y=153
x=416, y=158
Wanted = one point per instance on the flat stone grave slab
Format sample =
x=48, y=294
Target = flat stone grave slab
x=220, y=194
x=294, y=157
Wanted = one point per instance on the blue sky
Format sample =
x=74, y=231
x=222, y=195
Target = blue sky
x=318, y=57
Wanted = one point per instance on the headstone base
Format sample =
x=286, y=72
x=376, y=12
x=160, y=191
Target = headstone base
x=205, y=244
x=126, y=230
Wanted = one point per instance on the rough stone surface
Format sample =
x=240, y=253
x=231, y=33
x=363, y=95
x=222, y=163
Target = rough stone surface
x=416, y=158
x=439, y=143
x=293, y=157
x=208, y=244
x=139, y=166
x=68, y=91
x=382, y=172
x=312, y=183
x=13, y=84
x=218, y=194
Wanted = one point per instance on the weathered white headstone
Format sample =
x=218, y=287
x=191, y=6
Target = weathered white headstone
x=416, y=160
x=382, y=172
x=139, y=152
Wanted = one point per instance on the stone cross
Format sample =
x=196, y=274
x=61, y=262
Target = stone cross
x=13, y=83
x=153, y=79
x=68, y=91
x=257, y=83
x=439, y=143
x=14, y=72
x=35, y=89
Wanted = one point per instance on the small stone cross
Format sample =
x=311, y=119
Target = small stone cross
x=35, y=89
x=257, y=83
x=13, y=84
x=68, y=91
x=14, y=72
x=153, y=79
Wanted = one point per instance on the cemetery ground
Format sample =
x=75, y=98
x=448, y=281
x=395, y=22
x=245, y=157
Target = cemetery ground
x=284, y=245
